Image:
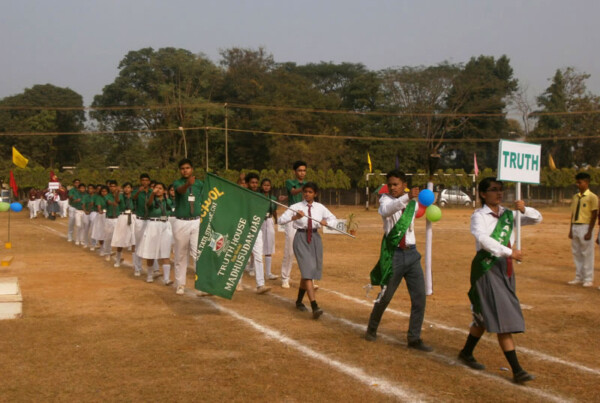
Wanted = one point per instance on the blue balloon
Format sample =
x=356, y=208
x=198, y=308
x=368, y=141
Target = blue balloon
x=16, y=207
x=426, y=197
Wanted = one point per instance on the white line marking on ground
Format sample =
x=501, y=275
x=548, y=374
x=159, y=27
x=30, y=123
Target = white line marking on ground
x=533, y=353
x=447, y=360
x=381, y=385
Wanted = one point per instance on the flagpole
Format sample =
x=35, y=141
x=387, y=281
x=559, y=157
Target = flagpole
x=314, y=219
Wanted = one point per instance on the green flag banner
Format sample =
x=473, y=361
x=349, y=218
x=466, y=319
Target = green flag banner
x=230, y=221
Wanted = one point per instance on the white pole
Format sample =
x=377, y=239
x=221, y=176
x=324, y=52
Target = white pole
x=367, y=192
x=428, y=245
x=518, y=226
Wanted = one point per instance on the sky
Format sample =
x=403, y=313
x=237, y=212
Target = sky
x=78, y=43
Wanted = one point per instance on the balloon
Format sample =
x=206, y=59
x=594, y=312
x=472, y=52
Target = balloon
x=421, y=211
x=426, y=197
x=16, y=207
x=433, y=213
x=4, y=206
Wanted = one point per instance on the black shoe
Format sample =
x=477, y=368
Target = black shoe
x=317, y=312
x=470, y=361
x=523, y=376
x=370, y=335
x=301, y=307
x=419, y=345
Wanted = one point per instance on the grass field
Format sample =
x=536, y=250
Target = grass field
x=92, y=332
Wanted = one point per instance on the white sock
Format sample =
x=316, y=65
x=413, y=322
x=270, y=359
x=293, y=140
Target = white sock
x=155, y=266
x=268, y=265
x=137, y=262
x=166, y=272
x=118, y=257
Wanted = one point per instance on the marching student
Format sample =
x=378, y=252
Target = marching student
x=156, y=241
x=98, y=231
x=81, y=219
x=34, y=203
x=256, y=261
x=124, y=233
x=400, y=260
x=112, y=215
x=308, y=246
x=188, y=191
x=141, y=214
x=63, y=201
x=494, y=301
x=294, y=195
x=268, y=228
x=72, y=192
x=91, y=211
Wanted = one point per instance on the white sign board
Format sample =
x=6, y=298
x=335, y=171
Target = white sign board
x=53, y=185
x=519, y=162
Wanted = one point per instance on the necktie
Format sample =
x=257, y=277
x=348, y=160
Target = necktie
x=402, y=243
x=309, y=226
x=577, y=210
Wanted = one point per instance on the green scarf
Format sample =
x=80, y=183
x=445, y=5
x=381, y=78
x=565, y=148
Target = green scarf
x=484, y=260
x=382, y=271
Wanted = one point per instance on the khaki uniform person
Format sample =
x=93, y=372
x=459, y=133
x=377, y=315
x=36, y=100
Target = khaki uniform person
x=584, y=211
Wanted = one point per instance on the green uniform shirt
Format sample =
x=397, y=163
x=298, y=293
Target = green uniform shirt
x=158, y=208
x=293, y=184
x=88, y=202
x=112, y=211
x=76, y=196
x=140, y=203
x=184, y=208
x=170, y=207
x=126, y=203
x=100, y=202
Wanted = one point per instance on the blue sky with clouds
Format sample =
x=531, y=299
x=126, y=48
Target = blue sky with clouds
x=79, y=43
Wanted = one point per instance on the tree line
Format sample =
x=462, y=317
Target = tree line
x=328, y=114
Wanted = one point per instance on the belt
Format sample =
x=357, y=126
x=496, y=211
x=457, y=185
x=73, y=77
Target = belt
x=580, y=223
x=305, y=230
x=408, y=247
x=112, y=218
x=156, y=219
x=188, y=218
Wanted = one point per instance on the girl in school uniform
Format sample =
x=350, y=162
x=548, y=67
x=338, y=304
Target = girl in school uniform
x=157, y=238
x=495, y=305
x=124, y=233
x=91, y=212
x=98, y=230
x=268, y=229
x=308, y=246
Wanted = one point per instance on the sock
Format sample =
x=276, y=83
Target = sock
x=137, y=262
x=268, y=265
x=118, y=256
x=470, y=345
x=166, y=272
x=301, y=293
x=313, y=305
x=155, y=265
x=511, y=356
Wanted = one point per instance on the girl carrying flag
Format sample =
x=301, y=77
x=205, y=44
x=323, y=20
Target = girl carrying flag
x=494, y=301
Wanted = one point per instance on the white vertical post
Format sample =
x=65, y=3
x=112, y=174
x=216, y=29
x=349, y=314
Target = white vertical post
x=428, y=247
x=367, y=192
x=518, y=223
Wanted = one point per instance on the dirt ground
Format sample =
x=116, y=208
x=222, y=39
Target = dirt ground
x=92, y=332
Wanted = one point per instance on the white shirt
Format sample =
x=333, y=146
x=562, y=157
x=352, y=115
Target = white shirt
x=483, y=224
x=318, y=212
x=390, y=209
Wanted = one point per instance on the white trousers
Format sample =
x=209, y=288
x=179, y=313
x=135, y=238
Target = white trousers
x=256, y=260
x=185, y=235
x=91, y=218
x=288, y=252
x=82, y=222
x=583, y=253
x=71, y=222
x=34, y=207
x=64, y=206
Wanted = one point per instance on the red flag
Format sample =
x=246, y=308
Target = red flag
x=13, y=184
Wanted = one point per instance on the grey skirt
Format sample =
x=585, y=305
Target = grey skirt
x=309, y=255
x=500, y=307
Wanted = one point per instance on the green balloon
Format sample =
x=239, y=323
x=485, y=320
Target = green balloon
x=4, y=206
x=433, y=213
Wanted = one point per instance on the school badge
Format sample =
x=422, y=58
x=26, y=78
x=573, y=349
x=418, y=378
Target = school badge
x=218, y=242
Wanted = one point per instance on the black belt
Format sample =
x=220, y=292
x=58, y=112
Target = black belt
x=156, y=219
x=305, y=230
x=188, y=218
x=580, y=223
x=408, y=247
x=113, y=217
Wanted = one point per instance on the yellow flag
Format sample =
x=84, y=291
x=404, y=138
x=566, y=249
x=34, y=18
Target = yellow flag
x=551, y=162
x=18, y=159
x=369, y=161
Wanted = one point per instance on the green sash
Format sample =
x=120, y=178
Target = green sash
x=484, y=260
x=382, y=271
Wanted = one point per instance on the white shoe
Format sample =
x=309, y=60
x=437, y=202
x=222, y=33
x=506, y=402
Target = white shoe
x=168, y=282
x=180, y=290
x=575, y=282
x=76, y=243
x=149, y=280
x=262, y=289
x=203, y=294
x=588, y=284
x=251, y=273
x=239, y=287
x=92, y=248
x=117, y=264
x=69, y=239
x=107, y=258
x=285, y=284
x=272, y=277
x=137, y=273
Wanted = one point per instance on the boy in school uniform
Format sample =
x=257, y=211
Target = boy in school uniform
x=112, y=214
x=584, y=211
x=141, y=214
x=400, y=260
x=34, y=203
x=188, y=191
x=72, y=193
x=294, y=195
